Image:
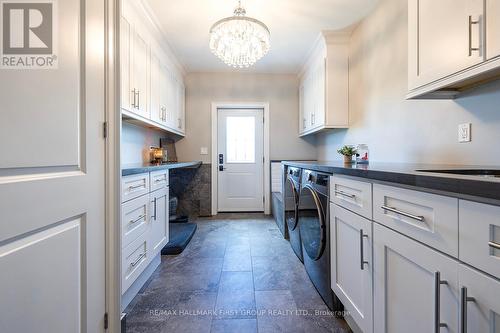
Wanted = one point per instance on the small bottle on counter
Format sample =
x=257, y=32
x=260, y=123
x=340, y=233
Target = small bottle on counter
x=362, y=154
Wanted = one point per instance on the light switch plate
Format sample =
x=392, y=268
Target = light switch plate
x=464, y=132
x=204, y=151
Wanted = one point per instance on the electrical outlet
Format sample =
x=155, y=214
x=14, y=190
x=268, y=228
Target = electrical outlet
x=204, y=151
x=464, y=132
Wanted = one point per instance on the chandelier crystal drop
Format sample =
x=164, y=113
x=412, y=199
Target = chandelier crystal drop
x=239, y=40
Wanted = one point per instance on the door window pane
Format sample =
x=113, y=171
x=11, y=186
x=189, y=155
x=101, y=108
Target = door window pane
x=240, y=139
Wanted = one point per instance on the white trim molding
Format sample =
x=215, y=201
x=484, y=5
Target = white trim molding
x=267, y=162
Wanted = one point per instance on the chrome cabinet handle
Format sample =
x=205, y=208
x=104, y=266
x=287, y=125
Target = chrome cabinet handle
x=138, y=219
x=494, y=245
x=397, y=211
x=180, y=124
x=133, y=101
x=471, y=22
x=361, y=249
x=135, y=187
x=154, y=203
x=345, y=194
x=159, y=180
x=464, y=299
x=138, y=99
x=304, y=123
x=138, y=259
x=437, y=302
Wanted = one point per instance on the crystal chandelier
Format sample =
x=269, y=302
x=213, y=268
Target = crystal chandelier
x=239, y=40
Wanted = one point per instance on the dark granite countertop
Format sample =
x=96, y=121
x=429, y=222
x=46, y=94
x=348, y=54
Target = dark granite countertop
x=133, y=169
x=476, y=188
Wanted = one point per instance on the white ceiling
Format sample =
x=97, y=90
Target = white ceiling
x=294, y=26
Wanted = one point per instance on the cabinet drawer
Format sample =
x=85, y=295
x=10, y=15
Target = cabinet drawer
x=352, y=194
x=135, y=259
x=429, y=218
x=480, y=236
x=134, y=186
x=135, y=217
x=158, y=179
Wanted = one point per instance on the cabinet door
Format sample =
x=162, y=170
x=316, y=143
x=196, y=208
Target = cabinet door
x=480, y=312
x=125, y=55
x=352, y=265
x=407, y=294
x=159, y=220
x=155, y=108
x=140, y=74
x=181, y=106
x=302, y=117
x=164, y=95
x=321, y=114
x=492, y=28
x=171, y=99
x=442, y=38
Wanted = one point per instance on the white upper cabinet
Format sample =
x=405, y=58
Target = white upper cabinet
x=493, y=29
x=139, y=73
x=439, y=38
x=151, y=83
x=324, y=85
x=452, y=45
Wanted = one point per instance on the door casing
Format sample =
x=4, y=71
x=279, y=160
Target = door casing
x=267, y=163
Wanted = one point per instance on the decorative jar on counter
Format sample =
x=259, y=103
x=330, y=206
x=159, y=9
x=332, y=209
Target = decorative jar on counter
x=362, y=154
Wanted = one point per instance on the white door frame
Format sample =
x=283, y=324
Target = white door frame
x=113, y=165
x=267, y=165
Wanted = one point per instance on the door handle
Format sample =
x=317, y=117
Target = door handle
x=471, y=22
x=464, y=299
x=221, y=168
x=361, y=249
x=133, y=100
x=437, y=302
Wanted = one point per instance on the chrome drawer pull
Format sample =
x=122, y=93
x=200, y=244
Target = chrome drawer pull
x=160, y=180
x=352, y=196
x=437, y=302
x=135, y=187
x=138, y=259
x=494, y=245
x=138, y=219
x=397, y=211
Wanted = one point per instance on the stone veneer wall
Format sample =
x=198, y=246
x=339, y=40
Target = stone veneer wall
x=192, y=187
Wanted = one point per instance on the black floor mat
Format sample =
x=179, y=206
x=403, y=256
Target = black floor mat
x=180, y=235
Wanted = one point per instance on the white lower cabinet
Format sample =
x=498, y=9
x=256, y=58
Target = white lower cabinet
x=415, y=287
x=479, y=302
x=159, y=219
x=144, y=222
x=352, y=265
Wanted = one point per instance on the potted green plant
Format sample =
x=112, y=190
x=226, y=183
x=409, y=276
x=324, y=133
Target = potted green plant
x=348, y=152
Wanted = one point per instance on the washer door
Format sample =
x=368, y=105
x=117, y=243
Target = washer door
x=291, y=202
x=312, y=223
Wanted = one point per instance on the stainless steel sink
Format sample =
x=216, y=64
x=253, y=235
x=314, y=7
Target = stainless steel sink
x=488, y=173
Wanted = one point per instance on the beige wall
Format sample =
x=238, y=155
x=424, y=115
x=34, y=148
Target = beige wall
x=281, y=91
x=397, y=130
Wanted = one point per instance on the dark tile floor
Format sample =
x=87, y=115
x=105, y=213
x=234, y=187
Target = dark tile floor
x=238, y=274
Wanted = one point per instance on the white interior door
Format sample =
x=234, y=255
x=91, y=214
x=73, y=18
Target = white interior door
x=52, y=229
x=240, y=140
